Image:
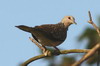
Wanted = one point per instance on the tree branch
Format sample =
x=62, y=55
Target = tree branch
x=94, y=49
x=36, y=43
x=53, y=54
x=87, y=55
x=98, y=31
x=94, y=25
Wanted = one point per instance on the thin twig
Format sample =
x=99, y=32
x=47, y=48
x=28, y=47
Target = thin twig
x=93, y=50
x=36, y=43
x=90, y=16
x=98, y=31
x=87, y=55
x=94, y=25
x=53, y=54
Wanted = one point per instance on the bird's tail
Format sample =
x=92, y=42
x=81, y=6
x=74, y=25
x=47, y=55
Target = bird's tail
x=24, y=28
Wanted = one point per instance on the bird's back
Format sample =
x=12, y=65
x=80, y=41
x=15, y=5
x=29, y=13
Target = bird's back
x=50, y=33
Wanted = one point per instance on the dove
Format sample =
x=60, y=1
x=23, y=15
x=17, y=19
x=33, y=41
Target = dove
x=50, y=34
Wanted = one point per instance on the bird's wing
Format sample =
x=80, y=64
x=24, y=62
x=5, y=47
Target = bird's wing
x=52, y=31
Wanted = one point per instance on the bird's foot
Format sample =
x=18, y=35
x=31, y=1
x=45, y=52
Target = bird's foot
x=56, y=52
x=47, y=53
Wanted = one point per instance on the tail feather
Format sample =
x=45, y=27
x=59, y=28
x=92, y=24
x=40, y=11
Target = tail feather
x=24, y=28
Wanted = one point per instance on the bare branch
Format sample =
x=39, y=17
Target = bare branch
x=90, y=16
x=53, y=54
x=87, y=55
x=98, y=31
x=93, y=50
x=36, y=43
x=94, y=25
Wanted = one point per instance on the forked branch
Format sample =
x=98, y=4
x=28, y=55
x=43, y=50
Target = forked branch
x=94, y=25
x=94, y=49
x=87, y=55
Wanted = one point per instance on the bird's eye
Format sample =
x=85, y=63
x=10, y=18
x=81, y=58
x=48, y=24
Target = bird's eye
x=69, y=17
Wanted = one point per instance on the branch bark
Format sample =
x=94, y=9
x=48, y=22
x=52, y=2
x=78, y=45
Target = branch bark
x=98, y=31
x=87, y=55
x=53, y=54
x=93, y=24
x=94, y=49
x=36, y=43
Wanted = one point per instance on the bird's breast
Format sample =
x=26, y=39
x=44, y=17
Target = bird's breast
x=48, y=40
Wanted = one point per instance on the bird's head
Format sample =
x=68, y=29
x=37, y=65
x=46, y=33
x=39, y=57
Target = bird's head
x=68, y=20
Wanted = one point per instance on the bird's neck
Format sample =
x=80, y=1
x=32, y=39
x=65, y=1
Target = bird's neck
x=66, y=24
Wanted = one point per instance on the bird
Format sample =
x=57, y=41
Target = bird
x=50, y=35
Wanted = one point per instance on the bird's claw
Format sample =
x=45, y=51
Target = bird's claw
x=46, y=52
x=56, y=52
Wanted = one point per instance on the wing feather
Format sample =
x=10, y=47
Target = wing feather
x=52, y=31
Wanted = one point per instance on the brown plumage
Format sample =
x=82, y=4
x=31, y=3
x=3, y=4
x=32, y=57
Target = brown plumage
x=50, y=34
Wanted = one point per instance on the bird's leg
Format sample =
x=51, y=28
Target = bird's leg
x=45, y=51
x=57, y=50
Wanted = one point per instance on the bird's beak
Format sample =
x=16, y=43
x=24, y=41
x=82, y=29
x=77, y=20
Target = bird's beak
x=74, y=23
